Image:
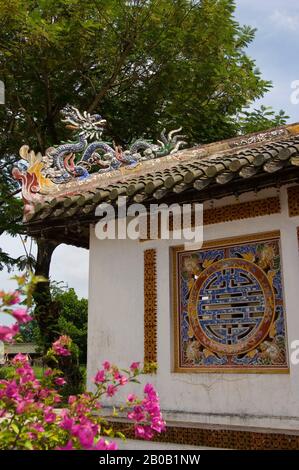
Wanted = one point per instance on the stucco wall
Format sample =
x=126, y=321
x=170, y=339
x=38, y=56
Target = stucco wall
x=116, y=329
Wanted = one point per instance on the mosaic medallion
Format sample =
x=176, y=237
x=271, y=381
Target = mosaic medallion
x=229, y=308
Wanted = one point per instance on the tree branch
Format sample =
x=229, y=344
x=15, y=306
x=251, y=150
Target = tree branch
x=32, y=124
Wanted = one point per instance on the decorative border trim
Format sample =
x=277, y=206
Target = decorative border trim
x=219, y=438
x=175, y=316
x=231, y=212
x=293, y=200
x=254, y=237
x=150, y=309
x=243, y=210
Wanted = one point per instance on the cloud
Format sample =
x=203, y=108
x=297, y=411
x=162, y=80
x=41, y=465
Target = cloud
x=69, y=264
x=284, y=20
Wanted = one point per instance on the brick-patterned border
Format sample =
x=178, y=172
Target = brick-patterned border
x=231, y=212
x=221, y=438
x=150, y=307
x=243, y=210
x=293, y=201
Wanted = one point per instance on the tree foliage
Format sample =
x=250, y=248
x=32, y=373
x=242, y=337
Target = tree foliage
x=145, y=64
x=71, y=321
x=261, y=119
x=10, y=208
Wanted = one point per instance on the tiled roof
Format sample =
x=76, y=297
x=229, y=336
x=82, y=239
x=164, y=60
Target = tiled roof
x=200, y=173
x=195, y=168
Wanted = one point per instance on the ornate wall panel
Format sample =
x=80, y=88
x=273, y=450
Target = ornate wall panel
x=150, y=309
x=228, y=307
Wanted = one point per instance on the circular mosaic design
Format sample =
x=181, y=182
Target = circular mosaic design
x=231, y=306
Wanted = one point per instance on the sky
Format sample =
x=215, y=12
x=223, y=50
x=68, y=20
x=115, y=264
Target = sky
x=275, y=50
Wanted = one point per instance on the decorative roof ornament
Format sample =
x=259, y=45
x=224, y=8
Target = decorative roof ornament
x=235, y=161
x=259, y=137
x=85, y=155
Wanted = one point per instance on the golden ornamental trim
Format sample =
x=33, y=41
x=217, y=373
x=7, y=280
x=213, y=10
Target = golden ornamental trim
x=242, y=210
x=293, y=201
x=231, y=212
x=150, y=310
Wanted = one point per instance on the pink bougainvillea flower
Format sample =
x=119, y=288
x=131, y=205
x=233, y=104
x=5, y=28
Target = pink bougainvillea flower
x=60, y=381
x=50, y=418
x=145, y=432
x=139, y=431
x=60, y=347
x=30, y=403
x=111, y=390
x=8, y=332
x=20, y=359
x=122, y=380
x=67, y=423
x=60, y=351
x=22, y=406
x=44, y=393
x=21, y=315
x=26, y=374
x=11, y=390
x=100, y=377
x=86, y=436
x=71, y=399
x=68, y=446
x=137, y=414
x=106, y=365
x=131, y=397
x=116, y=374
x=158, y=424
x=49, y=415
x=149, y=389
x=38, y=427
x=147, y=415
x=102, y=444
x=112, y=446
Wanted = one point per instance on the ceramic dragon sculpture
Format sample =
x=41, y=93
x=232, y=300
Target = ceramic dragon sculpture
x=62, y=162
x=87, y=153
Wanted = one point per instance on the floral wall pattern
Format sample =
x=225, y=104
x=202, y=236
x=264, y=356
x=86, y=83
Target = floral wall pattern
x=228, y=307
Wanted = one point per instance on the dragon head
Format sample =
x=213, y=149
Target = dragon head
x=87, y=125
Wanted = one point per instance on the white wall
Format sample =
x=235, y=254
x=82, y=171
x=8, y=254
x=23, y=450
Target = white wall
x=116, y=329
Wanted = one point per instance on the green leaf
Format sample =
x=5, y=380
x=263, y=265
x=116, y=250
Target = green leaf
x=15, y=428
x=28, y=445
x=121, y=435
